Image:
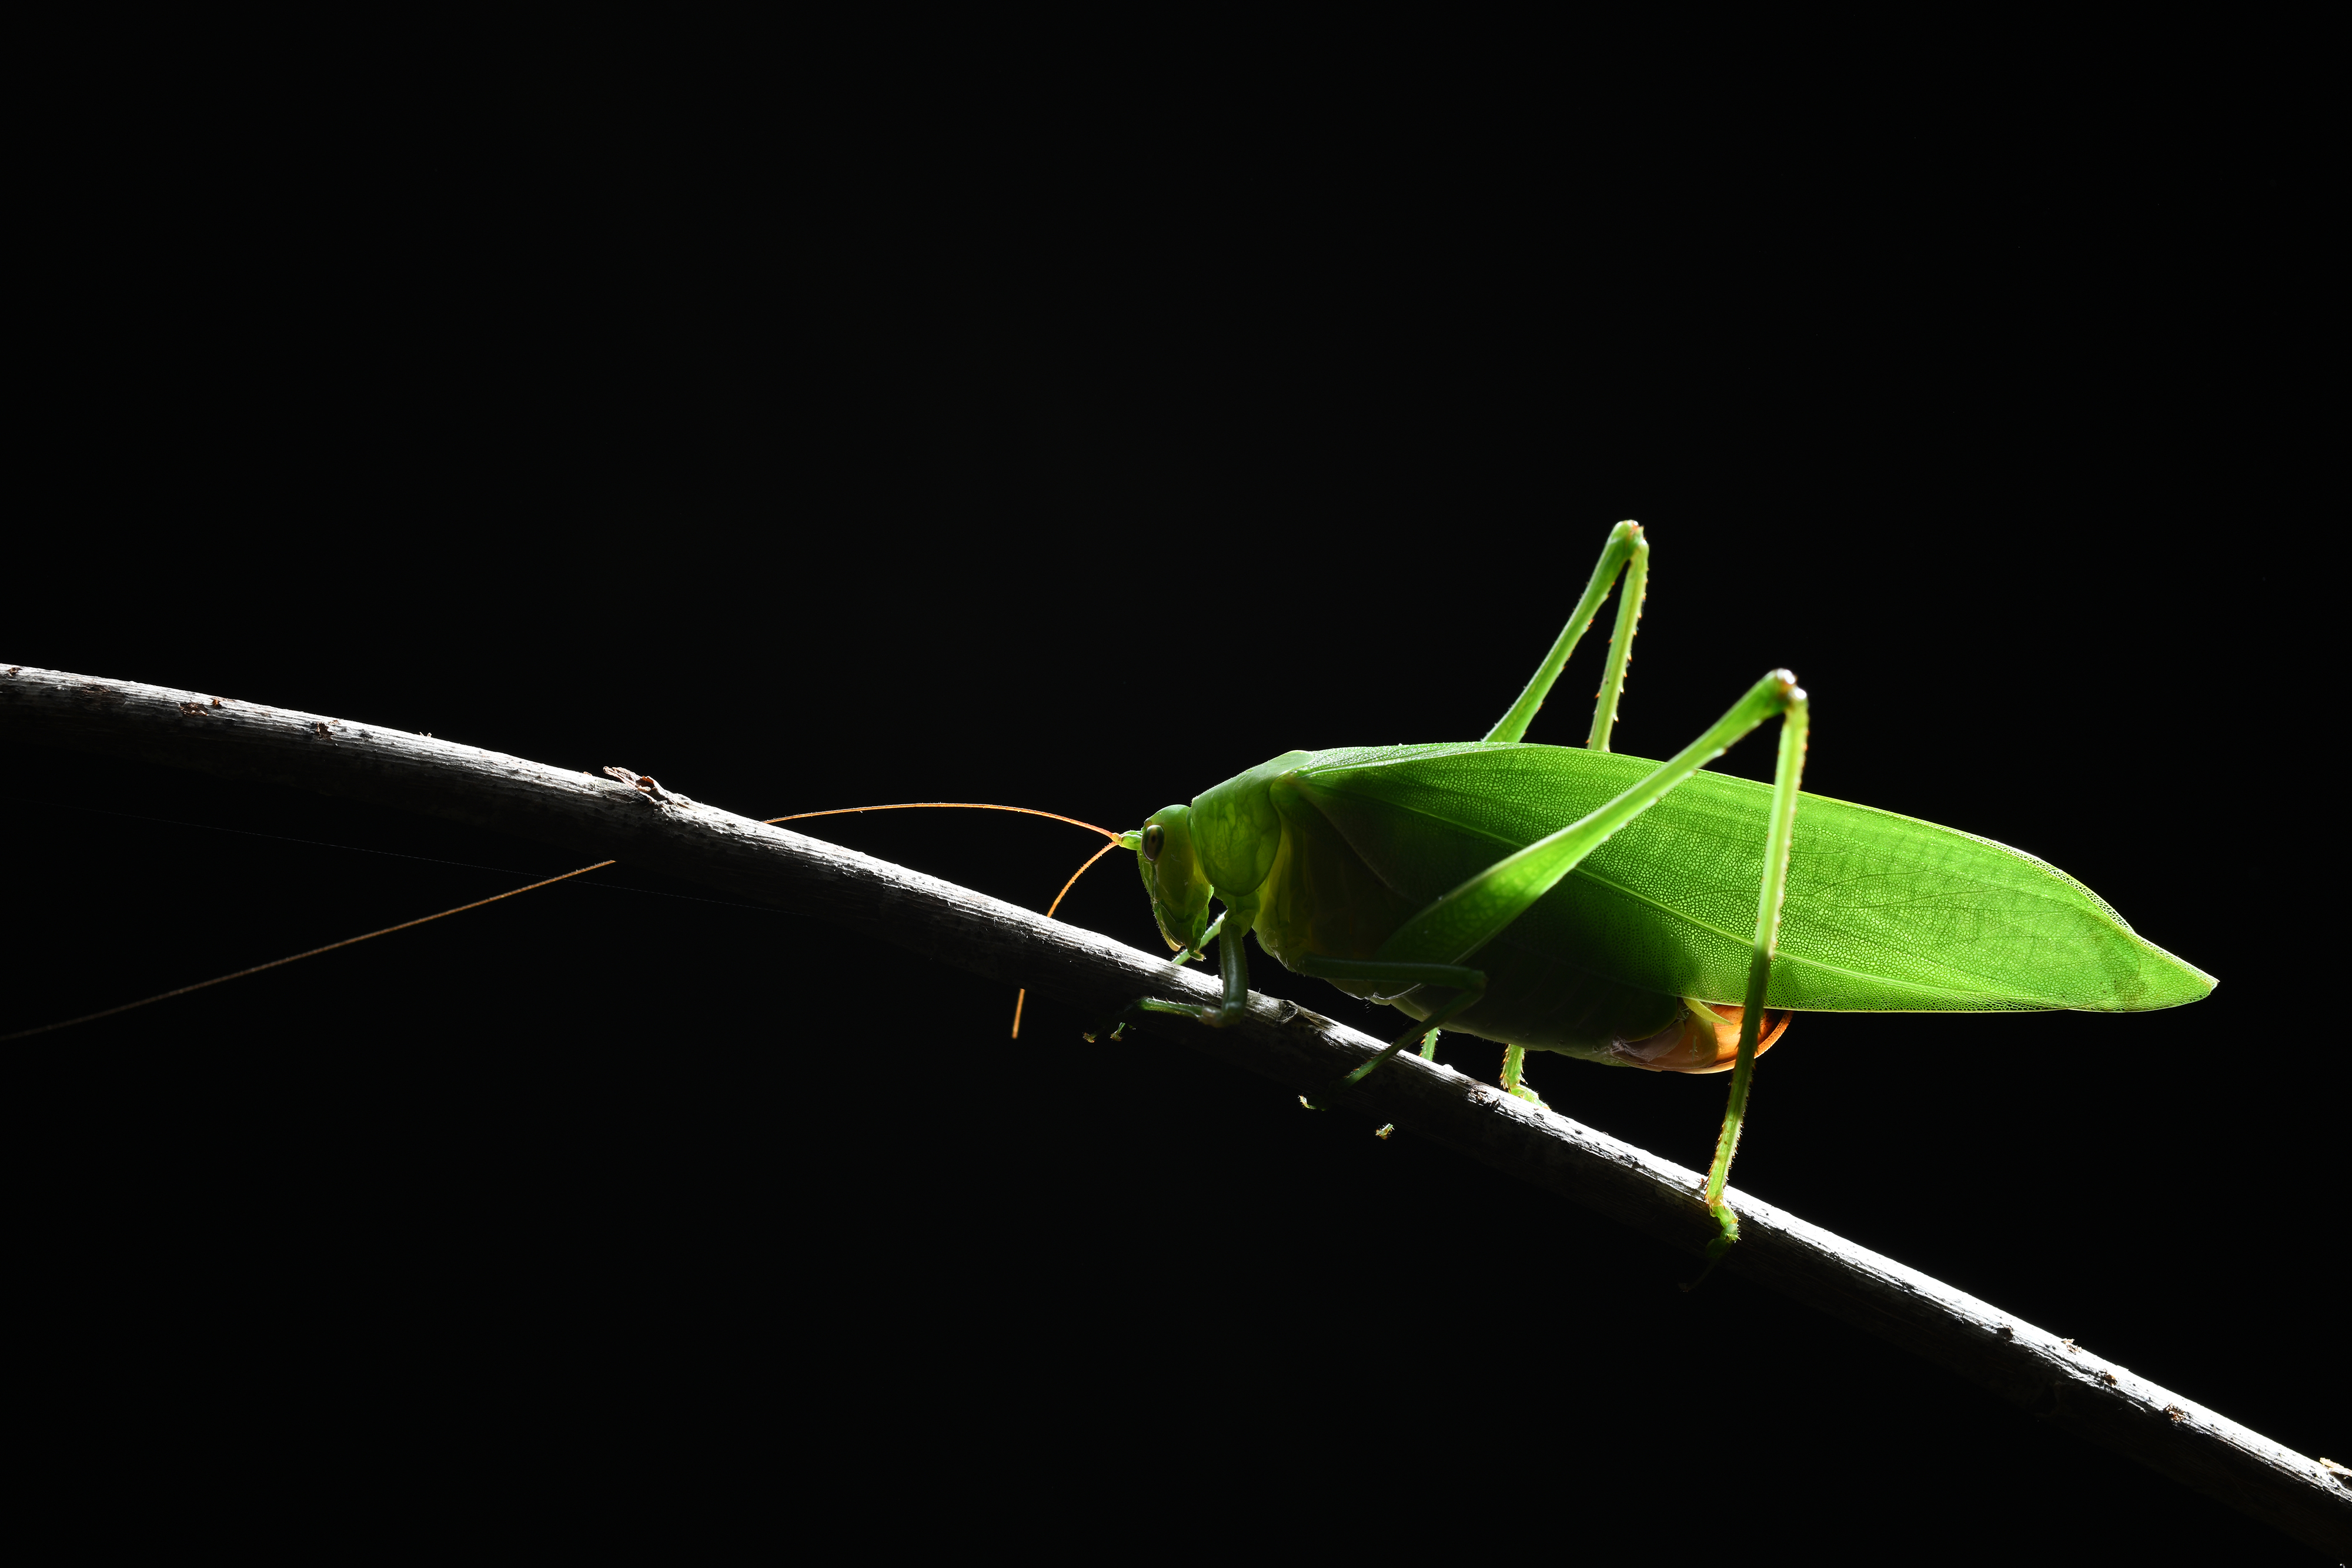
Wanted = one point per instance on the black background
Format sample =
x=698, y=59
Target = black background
x=808, y=446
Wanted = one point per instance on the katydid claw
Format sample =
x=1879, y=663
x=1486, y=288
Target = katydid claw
x=1730, y=1224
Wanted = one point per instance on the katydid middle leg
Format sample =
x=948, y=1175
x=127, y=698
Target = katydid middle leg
x=1428, y=1053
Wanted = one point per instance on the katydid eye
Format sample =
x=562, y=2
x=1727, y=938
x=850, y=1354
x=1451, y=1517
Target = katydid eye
x=1153, y=837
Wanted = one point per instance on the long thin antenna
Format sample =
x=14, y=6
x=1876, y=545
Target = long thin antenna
x=291, y=957
x=950, y=805
x=1021, y=996
x=600, y=865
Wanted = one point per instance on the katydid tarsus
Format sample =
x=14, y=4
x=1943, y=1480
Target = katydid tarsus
x=1628, y=912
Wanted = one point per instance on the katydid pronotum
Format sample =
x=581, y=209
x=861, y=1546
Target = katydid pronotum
x=1633, y=913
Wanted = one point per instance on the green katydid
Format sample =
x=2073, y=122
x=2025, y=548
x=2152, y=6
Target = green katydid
x=1628, y=912
x=1632, y=913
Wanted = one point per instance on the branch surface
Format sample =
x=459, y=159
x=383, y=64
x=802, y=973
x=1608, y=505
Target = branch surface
x=599, y=817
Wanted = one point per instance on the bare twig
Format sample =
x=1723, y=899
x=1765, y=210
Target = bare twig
x=634, y=820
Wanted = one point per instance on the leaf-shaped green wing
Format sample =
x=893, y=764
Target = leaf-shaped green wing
x=1884, y=914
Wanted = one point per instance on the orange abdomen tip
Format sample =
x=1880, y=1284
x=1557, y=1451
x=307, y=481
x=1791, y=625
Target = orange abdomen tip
x=1706, y=1039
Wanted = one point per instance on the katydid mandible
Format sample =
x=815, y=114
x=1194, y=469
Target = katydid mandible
x=1628, y=912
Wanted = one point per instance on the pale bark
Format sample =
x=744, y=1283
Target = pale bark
x=599, y=817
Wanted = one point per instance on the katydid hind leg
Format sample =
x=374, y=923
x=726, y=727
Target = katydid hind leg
x=1453, y=927
x=1621, y=643
x=1514, y=1078
x=1435, y=945
x=1626, y=547
x=1780, y=836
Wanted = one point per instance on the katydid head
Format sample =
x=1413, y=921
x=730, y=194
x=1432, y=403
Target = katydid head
x=1172, y=876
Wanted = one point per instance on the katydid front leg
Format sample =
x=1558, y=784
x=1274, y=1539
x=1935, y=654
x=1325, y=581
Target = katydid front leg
x=1233, y=969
